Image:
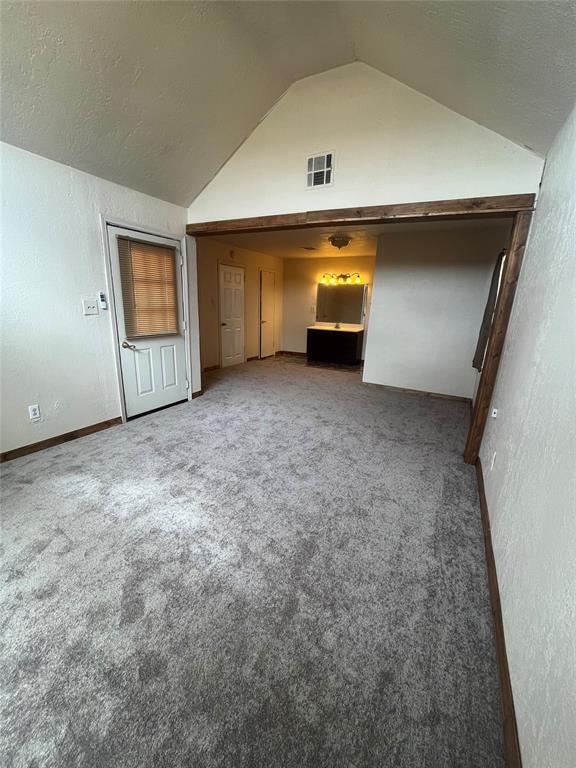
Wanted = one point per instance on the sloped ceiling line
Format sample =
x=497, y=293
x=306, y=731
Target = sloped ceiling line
x=157, y=95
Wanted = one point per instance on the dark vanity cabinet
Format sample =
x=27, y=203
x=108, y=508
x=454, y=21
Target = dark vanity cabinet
x=333, y=345
x=338, y=333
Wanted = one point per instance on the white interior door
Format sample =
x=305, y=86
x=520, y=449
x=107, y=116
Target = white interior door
x=231, y=315
x=267, y=300
x=147, y=285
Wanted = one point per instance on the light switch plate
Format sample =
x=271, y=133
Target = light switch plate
x=90, y=306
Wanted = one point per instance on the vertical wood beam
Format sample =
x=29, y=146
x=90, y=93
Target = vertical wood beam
x=510, y=274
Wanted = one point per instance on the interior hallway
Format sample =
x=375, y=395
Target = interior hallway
x=288, y=571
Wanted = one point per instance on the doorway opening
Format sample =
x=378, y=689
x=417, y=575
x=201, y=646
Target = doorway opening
x=403, y=301
x=516, y=210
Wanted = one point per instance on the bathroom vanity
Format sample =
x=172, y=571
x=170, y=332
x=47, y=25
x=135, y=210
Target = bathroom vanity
x=326, y=344
x=338, y=333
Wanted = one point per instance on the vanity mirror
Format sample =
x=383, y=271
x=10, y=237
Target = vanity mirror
x=340, y=303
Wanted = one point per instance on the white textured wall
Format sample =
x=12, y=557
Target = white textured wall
x=531, y=491
x=301, y=278
x=391, y=144
x=430, y=289
x=212, y=252
x=52, y=257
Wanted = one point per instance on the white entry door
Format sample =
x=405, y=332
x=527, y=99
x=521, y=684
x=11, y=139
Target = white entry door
x=267, y=297
x=147, y=283
x=231, y=315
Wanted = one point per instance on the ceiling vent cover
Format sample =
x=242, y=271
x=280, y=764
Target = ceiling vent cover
x=320, y=170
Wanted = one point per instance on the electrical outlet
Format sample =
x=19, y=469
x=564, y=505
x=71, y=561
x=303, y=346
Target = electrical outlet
x=494, y=412
x=34, y=412
x=90, y=306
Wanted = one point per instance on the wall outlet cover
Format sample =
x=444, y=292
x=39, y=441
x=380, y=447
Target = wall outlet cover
x=34, y=412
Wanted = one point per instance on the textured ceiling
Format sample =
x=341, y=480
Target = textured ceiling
x=294, y=243
x=157, y=95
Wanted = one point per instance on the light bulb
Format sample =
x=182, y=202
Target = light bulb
x=323, y=281
x=348, y=280
x=358, y=281
x=332, y=281
x=341, y=280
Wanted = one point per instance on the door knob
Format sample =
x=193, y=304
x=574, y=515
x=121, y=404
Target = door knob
x=262, y=322
x=126, y=345
x=222, y=323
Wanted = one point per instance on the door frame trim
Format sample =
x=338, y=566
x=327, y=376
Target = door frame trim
x=260, y=270
x=497, y=337
x=109, y=221
x=225, y=263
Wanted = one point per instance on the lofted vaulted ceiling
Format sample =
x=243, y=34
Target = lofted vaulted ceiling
x=157, y=95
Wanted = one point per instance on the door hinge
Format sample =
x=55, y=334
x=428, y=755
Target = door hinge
x=184, y=325
x=187, y=384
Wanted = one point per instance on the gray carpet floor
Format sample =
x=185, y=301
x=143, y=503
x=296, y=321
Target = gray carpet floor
x=287, y=572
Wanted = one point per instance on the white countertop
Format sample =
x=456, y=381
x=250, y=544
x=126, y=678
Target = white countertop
x=347, y=327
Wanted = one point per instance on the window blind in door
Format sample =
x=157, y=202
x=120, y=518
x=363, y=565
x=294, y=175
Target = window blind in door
x=149, y=295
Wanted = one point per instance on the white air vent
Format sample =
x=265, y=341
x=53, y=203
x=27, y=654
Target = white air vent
x=320, y=170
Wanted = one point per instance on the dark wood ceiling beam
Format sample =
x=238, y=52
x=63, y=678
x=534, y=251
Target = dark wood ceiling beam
x=473, y=207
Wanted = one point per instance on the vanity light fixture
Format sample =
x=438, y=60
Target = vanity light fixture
x=344, y=278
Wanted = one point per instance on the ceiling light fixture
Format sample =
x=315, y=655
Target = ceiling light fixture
x=339, y=241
